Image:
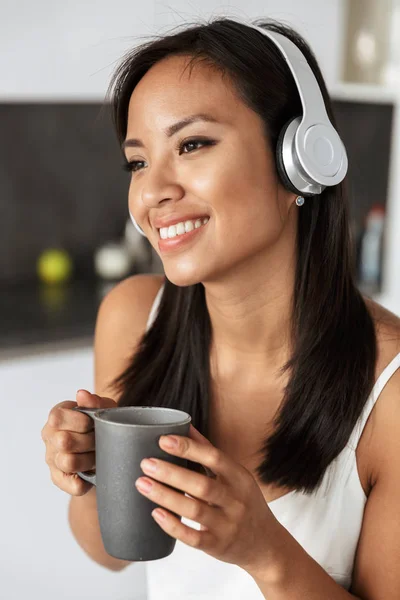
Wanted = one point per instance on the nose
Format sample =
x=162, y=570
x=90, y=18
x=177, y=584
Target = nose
x=152, y=197
x=160, y=186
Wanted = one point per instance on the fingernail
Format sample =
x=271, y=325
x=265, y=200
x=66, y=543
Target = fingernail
x=169, y=441
x=144, y=485
x=148, y=465
x=158, y=514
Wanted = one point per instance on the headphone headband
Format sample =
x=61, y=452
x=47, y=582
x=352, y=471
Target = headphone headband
x=309, y=90
x=312, y=154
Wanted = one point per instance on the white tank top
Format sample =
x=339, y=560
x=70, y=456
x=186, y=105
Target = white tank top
x=326, y=523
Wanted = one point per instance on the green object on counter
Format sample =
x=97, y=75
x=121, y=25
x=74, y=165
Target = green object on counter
x=54, y=265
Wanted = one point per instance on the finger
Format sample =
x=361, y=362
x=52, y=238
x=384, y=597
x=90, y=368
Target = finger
x=202, y=540
x=72, y=484
x=63, y=417
x=86, y=399
x=197, y=436
x=69, y=441
x=46, y=432
x=208, y=455
x=190, y=508
x=72, y=463
x=197, y=485
x=50, y=455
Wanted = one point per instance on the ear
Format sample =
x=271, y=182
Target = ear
x=286, y=198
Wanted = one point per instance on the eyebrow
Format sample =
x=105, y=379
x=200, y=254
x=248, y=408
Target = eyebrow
x=172, y=129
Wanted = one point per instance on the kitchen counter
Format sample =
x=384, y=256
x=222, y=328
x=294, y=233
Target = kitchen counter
x=34, y=317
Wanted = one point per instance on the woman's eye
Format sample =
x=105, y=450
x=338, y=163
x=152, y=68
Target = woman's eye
x=132, y=165
x=190, y=143
x=196, y=142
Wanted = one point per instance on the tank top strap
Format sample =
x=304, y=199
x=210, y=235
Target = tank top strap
x=154, y=307
x=380, y=383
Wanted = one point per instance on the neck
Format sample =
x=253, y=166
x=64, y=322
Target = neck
x=251, y=315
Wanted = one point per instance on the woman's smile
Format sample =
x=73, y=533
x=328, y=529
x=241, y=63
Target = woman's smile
x=180, y=239
x=181, y=228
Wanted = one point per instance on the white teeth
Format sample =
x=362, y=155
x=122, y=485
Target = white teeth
x=183, y=227
x=189, y=226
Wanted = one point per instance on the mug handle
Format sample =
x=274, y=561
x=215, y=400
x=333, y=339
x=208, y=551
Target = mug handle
x=86, y=475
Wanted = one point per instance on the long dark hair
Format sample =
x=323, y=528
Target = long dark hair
x=332, y=366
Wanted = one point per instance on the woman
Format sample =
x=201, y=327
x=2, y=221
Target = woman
x=257, y=331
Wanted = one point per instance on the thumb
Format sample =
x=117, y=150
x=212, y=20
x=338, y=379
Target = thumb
x=86, y=399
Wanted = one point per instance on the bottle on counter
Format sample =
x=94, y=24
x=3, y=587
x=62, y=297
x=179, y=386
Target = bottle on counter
x=371, y=250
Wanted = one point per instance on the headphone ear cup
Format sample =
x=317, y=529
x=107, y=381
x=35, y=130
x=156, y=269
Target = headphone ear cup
x=280, y=162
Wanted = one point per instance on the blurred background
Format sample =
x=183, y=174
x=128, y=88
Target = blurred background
x=66, y=239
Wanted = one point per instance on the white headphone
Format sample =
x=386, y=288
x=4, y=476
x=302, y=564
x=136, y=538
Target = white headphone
x=310, y=154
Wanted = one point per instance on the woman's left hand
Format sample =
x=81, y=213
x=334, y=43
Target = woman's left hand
x=237, y=525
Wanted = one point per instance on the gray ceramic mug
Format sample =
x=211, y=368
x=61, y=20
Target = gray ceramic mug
x=123, y=437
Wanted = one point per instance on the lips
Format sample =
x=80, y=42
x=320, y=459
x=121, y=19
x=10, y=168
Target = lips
x=174, y=219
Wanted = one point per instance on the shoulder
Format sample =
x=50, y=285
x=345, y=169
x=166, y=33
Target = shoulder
x=387, y=327
x=381, y=526
x=383, y=428
x=129, y=302
x=121, y=322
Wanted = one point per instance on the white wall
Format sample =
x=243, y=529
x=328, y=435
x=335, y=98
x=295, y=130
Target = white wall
x=320, y=22
x=67, y=50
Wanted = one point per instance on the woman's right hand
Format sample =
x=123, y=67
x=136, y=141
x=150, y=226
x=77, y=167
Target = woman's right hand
x=70, y=443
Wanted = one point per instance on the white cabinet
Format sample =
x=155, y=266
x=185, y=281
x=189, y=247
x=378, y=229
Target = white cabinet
x=39, y=557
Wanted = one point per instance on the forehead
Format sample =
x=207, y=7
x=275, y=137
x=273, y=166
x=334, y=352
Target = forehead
x=168, y=91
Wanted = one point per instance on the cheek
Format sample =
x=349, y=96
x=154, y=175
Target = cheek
x=134, y=205
x=246, y=206
x=250, y=227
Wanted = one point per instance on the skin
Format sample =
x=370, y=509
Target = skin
x=245, y=257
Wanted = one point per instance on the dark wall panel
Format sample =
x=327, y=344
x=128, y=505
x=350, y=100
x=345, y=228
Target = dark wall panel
x=61, y=184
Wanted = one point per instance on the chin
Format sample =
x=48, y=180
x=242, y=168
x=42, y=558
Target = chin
x=183, y=277
x=182, y=280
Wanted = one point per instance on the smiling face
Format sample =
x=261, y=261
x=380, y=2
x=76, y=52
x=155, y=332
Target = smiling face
x=223, y=169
